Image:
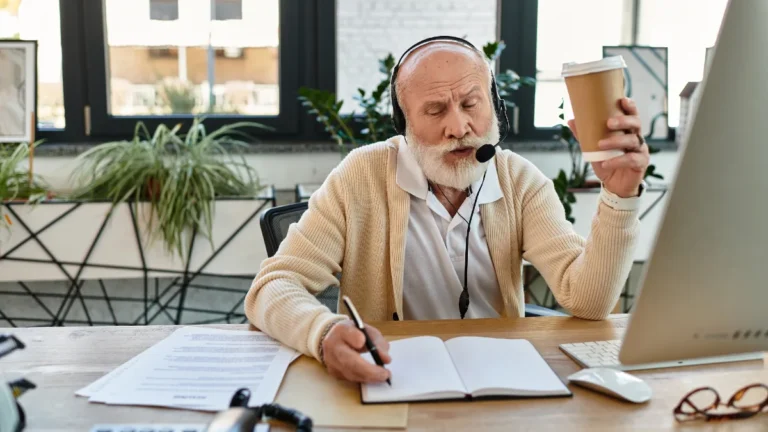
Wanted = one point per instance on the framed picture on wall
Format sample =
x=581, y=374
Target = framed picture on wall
x=647, y=84
x=18, y=90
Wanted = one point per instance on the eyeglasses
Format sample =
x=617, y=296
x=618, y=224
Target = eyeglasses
x=12, y=416
x=703, y=403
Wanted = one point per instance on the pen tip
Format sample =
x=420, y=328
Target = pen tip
x=389, y=382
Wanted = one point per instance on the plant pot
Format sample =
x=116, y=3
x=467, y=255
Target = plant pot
x=154, y=188
x=78, y=234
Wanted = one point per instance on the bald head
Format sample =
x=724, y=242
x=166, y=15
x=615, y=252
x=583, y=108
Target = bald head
x=440, y=62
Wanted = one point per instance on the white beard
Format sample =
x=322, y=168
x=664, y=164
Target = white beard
x=460, y=175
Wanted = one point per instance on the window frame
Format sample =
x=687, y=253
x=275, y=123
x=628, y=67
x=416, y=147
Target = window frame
x=285, y=125
x=70, y=19
x=519, y=31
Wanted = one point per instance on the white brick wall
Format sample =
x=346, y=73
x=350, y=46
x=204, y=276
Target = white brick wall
x=366, y=30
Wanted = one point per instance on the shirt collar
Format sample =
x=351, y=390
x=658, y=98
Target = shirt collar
x=411, y=179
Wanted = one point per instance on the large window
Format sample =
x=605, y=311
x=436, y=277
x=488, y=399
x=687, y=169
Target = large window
x=568, y=30
x=687, y=28
x=571, y=31
x=105, y=65
x=227, y=60
x=366, y=31
x=39, y=20
x=201, y=60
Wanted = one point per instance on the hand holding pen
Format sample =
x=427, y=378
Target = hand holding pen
x=343, y=345
x=361, y=326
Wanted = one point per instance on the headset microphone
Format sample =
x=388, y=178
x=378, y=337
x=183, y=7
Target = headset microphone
x=485, y=153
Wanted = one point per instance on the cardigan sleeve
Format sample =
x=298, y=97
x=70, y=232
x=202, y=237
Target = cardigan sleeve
x=281, y=301
x=586, y=276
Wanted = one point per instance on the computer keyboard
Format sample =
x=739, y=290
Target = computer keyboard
x=594, y=354
x=606, y=354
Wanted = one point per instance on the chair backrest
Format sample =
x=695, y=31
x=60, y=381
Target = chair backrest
x=274, y=227
x=276, y=221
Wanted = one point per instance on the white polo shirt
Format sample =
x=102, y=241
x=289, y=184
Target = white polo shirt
x=435, y=245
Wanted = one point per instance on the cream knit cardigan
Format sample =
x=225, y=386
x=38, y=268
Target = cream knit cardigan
x=358, y=220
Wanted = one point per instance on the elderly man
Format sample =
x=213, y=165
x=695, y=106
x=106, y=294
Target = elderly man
x=398, y=219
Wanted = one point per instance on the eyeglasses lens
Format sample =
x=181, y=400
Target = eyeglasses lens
x=750, y=398
x=700, y=402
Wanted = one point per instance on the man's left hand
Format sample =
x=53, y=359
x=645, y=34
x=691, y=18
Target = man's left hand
x=622, y=175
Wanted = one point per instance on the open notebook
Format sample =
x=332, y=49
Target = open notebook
x=425, y=368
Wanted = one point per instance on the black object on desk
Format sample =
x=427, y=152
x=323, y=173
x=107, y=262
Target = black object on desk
x=368, y=342
x=240, y=418
x=8, y=344
x=12, y=416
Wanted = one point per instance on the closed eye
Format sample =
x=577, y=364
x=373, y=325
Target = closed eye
x=470, y=103
x=434, y=109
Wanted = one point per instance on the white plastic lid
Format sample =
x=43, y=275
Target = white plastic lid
x=608, y=63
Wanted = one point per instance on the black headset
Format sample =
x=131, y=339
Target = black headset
x=398, y=117
x=483, y=154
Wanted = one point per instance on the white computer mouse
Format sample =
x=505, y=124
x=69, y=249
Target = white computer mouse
x=613, y=383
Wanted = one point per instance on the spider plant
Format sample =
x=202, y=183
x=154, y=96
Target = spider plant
x=14, y=179
x=179, y=174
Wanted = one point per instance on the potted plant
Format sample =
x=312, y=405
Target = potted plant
x=16, y=184
x=177, y=95
x=179, y=175
x=371, y=124
x=167, y=200
x=371, y=121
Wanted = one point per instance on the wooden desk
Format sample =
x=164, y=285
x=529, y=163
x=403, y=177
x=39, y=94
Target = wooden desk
x=62, y=360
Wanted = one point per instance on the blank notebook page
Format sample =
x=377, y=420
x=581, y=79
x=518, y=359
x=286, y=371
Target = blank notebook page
x=489, y=363
x=420, y=366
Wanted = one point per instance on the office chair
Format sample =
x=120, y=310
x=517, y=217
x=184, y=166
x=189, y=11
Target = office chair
x=274, y=227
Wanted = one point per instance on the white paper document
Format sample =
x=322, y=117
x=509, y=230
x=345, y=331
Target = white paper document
x=99, y=384
x=197, y=368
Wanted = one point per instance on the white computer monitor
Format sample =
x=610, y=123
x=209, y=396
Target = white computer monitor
x=704, y=291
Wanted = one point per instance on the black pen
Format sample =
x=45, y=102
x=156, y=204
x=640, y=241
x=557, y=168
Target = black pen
x=368, y=343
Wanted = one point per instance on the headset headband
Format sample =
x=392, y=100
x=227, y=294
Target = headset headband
x=433, y=39
x=398, y=117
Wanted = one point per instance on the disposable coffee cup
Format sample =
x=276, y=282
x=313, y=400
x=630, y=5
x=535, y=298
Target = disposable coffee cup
x=595, y=90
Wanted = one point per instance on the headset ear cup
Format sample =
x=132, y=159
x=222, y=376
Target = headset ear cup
x=398, y=119
x=501, y=109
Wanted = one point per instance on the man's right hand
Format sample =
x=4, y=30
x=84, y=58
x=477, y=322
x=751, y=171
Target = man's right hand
x=341, y=353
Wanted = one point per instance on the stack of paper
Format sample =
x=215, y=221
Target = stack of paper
x=197, y=368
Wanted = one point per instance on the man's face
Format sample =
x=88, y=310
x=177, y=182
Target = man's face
x=444, y=91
